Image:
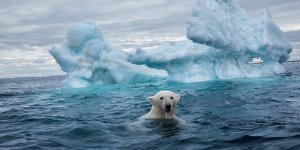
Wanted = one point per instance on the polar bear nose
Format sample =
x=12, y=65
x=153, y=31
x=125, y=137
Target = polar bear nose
x=168, y=108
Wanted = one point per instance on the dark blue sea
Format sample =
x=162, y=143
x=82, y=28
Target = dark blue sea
x=257, y=113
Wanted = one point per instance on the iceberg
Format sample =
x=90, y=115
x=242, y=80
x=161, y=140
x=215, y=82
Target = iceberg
x=222, y=43
x=223, y=39
x=87, y=59
x=222, y=24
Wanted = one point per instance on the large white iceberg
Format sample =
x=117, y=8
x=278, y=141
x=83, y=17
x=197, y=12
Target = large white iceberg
x=222, y=24
x=89, y=59
x=223, y=40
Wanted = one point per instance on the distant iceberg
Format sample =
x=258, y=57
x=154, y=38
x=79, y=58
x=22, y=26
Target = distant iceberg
x=223, y=39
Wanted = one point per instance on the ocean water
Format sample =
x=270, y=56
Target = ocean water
x=258, y=113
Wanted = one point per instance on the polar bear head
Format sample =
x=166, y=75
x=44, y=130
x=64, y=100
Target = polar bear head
x=163, y=104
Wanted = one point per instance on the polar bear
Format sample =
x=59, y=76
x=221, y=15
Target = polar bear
x=163, y=105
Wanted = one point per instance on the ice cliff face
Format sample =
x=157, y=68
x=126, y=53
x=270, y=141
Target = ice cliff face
x=223, y=40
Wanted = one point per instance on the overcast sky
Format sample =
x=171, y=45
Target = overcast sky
x=28, y=28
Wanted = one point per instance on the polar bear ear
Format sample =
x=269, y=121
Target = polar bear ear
x=151, y=99
x=178, y=97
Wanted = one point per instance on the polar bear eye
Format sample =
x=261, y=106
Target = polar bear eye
x=171, y=97
x=161, y=98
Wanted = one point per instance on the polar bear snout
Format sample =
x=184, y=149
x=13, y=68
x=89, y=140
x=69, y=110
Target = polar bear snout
x=167, y=108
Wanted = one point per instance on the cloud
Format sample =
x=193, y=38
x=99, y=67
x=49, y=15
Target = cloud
x=284, y=13
x=293, y=36
x=35, y=22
